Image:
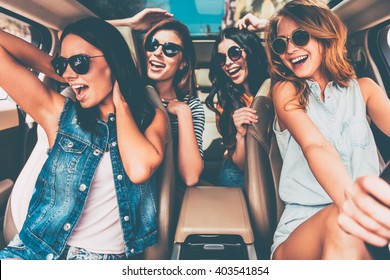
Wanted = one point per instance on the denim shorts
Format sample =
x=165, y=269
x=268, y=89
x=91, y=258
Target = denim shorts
x=16, y=249
x=293, y=216
x=230, y=175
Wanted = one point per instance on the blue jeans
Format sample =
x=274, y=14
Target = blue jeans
x=17, y=250
x=230, y=175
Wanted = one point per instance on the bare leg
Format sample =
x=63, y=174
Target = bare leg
x=320, y=237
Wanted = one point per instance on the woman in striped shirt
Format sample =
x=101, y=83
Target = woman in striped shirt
x=170, y=61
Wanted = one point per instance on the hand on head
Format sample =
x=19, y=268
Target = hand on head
x=145, y=19
x=252, y=23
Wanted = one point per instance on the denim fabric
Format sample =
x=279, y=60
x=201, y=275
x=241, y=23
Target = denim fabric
x=63, y=185
x=74, y=253
x=342, y=120
x=230, y=175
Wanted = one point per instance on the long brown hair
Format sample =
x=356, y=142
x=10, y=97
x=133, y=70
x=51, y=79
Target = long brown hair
x=184, y=81
x=324, y=26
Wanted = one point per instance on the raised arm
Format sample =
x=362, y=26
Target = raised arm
x=141, y=154
x=321, y=156
x=252, y=23
x=43, y=104
x=143, y=20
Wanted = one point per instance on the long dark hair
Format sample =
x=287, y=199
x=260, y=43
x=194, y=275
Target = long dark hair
x=108, y=39
x=228, y=93
x=184, y=81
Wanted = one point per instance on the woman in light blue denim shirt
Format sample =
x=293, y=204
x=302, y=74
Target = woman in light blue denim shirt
x=111, y=116
x=321, y=128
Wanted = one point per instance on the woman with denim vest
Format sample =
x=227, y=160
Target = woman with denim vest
x=321, y=128
x=95, y=197
x=237, y=70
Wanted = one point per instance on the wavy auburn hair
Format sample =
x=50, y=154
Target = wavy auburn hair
x=324, y=26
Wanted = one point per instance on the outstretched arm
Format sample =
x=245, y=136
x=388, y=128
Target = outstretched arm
x=322, y=157
x=366, y=210
x=143, y=20
x=252, y=23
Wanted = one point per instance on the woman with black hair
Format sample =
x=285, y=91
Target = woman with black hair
x=237, y=70
x=95, y=197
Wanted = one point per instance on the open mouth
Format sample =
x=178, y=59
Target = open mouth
x=157, y=64
x=299, y=60
x=80, y=91
x=233, y=71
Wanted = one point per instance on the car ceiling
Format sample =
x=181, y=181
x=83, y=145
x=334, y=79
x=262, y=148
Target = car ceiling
x=56, y=14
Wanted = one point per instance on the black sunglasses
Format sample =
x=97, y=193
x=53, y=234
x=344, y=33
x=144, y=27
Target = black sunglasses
x=79, y=63
x=234, y=53
x=169, y=49
x=299, y=38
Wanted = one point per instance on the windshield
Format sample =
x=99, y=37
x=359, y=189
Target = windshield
x=202, y=17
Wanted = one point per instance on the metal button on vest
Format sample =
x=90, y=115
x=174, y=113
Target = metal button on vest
x=113, y=144
x=126, y=218
x=82, y=187
x=70, y=145
x=119, y=177
x=112, y=119
x=67, y=227
x=132, y=250
x=96, y=152
x=49, y=257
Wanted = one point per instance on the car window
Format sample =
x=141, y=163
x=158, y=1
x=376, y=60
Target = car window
x=26, y=30
x=202, y=17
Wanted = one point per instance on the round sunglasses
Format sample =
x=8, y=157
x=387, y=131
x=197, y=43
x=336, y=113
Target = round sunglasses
x=234, y=53
x=79, y=63
x=169, y=49
x=299, y=38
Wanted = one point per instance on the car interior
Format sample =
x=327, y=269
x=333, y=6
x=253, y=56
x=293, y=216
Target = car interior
x=210, y=222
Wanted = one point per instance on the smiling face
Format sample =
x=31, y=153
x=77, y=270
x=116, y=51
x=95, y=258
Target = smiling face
x=161, y=68
x=304, y=62
x=235, y=70
x=94, y=87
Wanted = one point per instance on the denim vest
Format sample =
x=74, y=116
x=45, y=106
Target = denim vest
x=64, y=182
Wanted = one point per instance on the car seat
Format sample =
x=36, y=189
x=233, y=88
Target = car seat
x=262, y=171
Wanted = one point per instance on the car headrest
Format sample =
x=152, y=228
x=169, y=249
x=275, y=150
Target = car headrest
x=202, y=78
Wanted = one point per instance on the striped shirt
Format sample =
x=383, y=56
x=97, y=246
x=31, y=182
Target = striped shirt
x=198, y=119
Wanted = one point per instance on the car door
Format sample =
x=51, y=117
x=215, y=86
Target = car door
x=17, y=130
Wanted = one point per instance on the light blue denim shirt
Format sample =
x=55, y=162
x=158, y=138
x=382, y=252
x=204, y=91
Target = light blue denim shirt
x=341, y=118
x=65, y=180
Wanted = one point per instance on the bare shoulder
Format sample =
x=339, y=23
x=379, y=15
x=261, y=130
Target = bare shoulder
x=283, y=92
x=368, y=88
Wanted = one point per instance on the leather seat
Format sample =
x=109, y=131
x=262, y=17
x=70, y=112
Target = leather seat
x=262, y=172
x=166, y=188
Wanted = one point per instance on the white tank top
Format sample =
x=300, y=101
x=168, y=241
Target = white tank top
x=99, y=229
